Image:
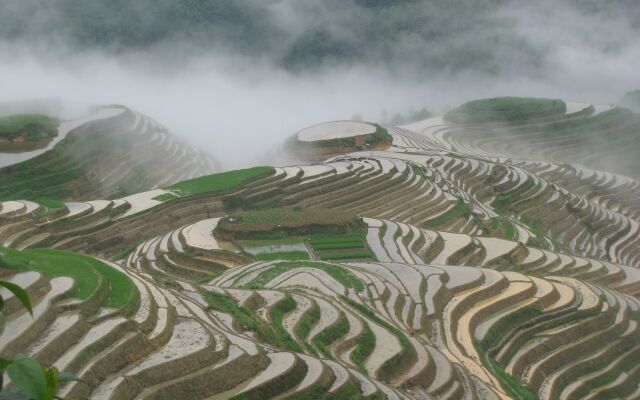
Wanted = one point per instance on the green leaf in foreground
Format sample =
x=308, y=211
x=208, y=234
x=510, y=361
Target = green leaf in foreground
x=51, y=375
x=28, y=376
x=20, y=294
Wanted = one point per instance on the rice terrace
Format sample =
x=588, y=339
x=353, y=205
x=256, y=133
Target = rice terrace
x=488, y=249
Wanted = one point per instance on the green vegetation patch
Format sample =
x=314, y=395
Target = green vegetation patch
x=492, y=339
x=278, y=223
x=346, y=241
x=324, y=339
x=337, y=272
x=273, y=333
x=84, y=270
x=125, y=250
x=406, y=355
x=325, y=246
x=283, y=255
x=512, y=385
x=28, y=126
x=503, y=227
x=503, y=200
x=62, y=173
x=364, y=347
x=341, y=247
x=506, y=110
x=277, y=312
x=308, y=320
x=460, y=210
x=347, y=255
x=217, y=182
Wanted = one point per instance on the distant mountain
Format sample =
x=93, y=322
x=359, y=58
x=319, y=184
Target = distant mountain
x=305, y=35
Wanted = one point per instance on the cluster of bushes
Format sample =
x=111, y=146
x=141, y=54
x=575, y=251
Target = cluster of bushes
x=31, y=127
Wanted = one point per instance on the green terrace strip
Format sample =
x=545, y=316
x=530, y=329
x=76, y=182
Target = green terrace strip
x=221, y=182
x=405, y=357
x=506, y=110
x=347, y=391
x=276, y=223
x=279, y=310
x=325, y=242
x=340, y=247
x=502, y=201
x=308, y=320
x=283, y=255
x=365, y=344
x=335, y=271
x=85, y=271
x=274, y=334
x=324, y=339
x=461, y=209
x=512, y=386
x=345, y=255
x=337, y=245
x=28, y=126
x=125, y=250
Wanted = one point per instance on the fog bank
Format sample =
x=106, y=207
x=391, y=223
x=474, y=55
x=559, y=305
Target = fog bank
x=239, y=104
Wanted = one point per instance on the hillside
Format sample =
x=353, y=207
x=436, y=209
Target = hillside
x=112, y=153
x=480, y=255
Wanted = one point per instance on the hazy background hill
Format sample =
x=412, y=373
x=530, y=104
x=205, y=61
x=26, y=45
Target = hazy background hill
x=259, y=70
x=301, y=35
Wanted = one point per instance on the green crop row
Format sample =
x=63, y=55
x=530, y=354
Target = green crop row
x=283, y=255
x=339, y=273
x=345, y=256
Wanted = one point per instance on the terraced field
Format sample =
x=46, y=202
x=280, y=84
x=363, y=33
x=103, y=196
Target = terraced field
x=442, y=269
x=113, y=152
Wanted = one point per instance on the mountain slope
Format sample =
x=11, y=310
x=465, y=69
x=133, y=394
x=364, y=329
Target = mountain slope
x=114, y=152
x=434, y=269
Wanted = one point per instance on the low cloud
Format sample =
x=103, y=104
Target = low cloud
x=238, y=105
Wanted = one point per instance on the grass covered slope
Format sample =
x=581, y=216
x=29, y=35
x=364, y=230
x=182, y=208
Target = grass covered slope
x=103, y=158
x=24, y=132
x=88, y=273
x=506, y=110
x=27, y=126
x=219, y=182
